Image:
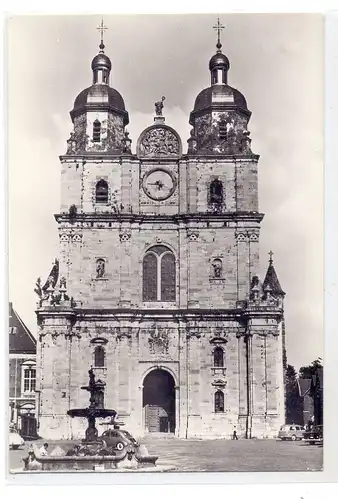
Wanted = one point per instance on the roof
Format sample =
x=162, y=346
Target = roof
x=21, y=341
x=304, y=385
x=215, y=93
x=100, y=96
x=272, y=281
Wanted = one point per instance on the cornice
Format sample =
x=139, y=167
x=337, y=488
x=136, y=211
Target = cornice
x=177, y=218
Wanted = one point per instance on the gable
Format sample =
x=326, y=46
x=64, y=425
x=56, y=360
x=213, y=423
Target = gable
x=20, y=338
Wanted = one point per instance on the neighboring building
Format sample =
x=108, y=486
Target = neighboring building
x=22, y=375
x=156, y=281
x=311, y=392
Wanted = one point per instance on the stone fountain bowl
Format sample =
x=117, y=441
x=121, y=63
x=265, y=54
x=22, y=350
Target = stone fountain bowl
x=91, y=412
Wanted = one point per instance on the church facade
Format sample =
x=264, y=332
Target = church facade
x=156, y=283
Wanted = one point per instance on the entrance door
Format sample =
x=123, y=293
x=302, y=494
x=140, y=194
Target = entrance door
x=159, y=401
x=28, y=426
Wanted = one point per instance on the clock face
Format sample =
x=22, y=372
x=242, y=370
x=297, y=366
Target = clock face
x=159, y=184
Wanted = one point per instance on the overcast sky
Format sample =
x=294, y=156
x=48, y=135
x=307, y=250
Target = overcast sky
x=276, y=62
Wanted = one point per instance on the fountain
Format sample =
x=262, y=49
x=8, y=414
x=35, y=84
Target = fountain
x=95, y=410
x=94, y=453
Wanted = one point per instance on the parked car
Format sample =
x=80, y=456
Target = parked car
x=314, y=435
x=15, y=440
x=291, y=432
x=119, y=439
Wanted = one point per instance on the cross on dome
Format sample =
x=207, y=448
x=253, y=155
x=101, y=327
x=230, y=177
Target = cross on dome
x=218, y=27
x=271, y=255
x=102, y=28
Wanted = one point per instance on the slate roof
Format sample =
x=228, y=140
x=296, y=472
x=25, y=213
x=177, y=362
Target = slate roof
x=21, y=341
x=304, y=385
x=271, y=279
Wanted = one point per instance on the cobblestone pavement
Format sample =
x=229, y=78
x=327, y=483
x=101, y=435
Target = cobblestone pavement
x=221, y=455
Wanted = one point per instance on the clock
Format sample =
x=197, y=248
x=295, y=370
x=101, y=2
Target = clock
x=159, y=184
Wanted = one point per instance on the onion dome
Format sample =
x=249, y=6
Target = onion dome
x=101, y=62
x=219, y=60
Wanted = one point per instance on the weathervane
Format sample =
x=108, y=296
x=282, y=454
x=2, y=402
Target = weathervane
x=218, y=27
x=102, y=28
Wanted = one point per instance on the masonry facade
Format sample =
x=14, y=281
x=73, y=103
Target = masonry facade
x=155, y=285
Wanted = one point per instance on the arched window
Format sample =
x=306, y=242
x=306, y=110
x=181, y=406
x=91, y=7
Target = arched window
x=101, y=192
x=159, y=275
x=222, y=128
x=219, y=402
x=96, y=131
x=99, y=357
x=218, y=356
x=216, y=192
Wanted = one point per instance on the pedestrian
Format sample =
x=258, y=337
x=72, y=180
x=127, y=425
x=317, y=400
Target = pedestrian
x=234, y=435
x=44, y=450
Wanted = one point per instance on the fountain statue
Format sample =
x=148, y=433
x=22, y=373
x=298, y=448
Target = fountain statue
x=95, y=409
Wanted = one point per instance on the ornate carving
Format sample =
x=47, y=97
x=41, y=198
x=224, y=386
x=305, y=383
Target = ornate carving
x=123, y=333
x=64, y=237
x=159, y=341
x=253, y=236
x=124, y=236
x=241, y=236
x=193, y=333
x=71, y=144
x=158, y=140
x=219, y=383
x=77, y=237
x=193, y=235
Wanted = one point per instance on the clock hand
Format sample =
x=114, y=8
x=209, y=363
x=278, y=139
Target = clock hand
x=159, y=184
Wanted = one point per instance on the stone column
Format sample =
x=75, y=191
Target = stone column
x=181, y=424
x=124, y=359
x=125, y=265
x=183, y=265
x=194, y=286
x=243, y=283
x=193, y=379
x=259, y=394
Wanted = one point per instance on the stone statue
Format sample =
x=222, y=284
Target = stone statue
x=217, y=265
x=159, y=106
x=100, y=268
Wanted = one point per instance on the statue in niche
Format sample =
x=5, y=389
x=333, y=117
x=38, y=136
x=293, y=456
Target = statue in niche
x=159, y=106
x=217, y=268
x=100, y=268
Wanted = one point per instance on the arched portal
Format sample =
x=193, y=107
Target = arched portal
x=159, y=401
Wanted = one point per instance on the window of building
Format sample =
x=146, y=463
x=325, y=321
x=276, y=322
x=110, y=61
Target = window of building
x=218, y=356
x=96, y=131
x=159, y=275
x=223, y=132
x=216, y=192
x=29, y=379
x=99, y=357
x=101, y=192
x=219, y=402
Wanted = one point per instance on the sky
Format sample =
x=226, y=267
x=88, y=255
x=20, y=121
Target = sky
x=276, y=62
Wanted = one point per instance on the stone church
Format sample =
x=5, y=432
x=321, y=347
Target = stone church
x=156, y=283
